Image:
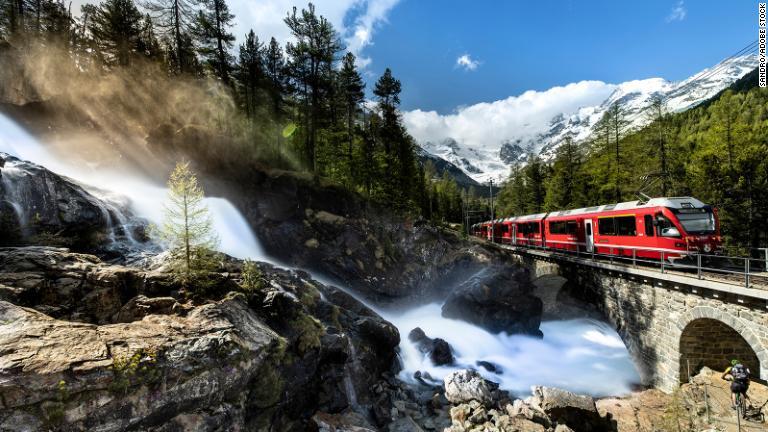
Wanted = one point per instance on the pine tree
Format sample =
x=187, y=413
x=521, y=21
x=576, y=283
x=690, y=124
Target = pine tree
x=312, y=58
x=277, y=80
x=116, y=29
x=352, y=87
x=567, y=185
x=213, y=23
x=187, y=226
x=617, y=124
x=658, y=117
x=176, y=21
x=250, y=74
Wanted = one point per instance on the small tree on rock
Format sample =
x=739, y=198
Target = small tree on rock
x=188, y=227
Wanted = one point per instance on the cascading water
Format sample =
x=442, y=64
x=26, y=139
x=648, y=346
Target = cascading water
x=581, y=355
x=144, y=199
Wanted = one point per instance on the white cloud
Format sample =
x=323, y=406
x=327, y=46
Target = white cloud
x=484, y=126
x=678, y=12
x=466, y=62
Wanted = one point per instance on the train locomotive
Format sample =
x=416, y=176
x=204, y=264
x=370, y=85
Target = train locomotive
x=658, y=228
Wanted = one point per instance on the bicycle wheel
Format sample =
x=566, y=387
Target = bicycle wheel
x=743, y=407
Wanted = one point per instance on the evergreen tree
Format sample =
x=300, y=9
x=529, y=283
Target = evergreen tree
x=277, y=88
x=250, y=74
x=187, y=226
x=312, y=58
x=352, y=87
x=657, y=115
x=116, y=28
x=213, y=23
x=176, y=21
x=567, y=185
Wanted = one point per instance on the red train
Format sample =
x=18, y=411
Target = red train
x=660, y=227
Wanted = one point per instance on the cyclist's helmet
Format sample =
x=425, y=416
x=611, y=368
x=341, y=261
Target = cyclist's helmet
x=734, y=362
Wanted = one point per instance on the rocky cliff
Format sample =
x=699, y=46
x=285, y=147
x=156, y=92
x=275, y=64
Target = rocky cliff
x=89, y=345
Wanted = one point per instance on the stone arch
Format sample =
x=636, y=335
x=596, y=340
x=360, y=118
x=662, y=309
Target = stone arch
x=710, y=337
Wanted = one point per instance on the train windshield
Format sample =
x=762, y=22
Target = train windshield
x=697, y=221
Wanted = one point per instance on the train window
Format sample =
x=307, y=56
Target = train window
x=571, y=227
x=666, y=228
x=605, y=226
x=626, y=226
x=648, y=222
x=557, y=227
x=535, y=227
x=589, y=230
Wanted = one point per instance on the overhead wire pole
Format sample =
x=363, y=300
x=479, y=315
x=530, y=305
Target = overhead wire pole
x=493, y=225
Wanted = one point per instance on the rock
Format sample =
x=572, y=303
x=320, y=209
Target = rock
x=563, y=407
x=141, y=306
x=519, y=408
x=490, y=367
x=346, y=422
x=563, y=428
x=439, y=351
x=404, y=424
x=463, y=386
x=499, y=300
x=50, y=209
x=272, y=358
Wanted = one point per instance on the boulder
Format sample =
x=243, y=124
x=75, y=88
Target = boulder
x=439, y=351
x=465, y=385
x=499, y=300
x=563, y=407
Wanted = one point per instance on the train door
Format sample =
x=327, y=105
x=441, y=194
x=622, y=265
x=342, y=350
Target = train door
x=588, y=237
x=514, y=233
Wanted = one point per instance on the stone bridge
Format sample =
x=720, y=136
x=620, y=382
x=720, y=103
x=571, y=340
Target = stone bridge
x=673, y=325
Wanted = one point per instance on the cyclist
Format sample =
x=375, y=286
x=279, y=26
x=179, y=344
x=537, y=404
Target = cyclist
x=738, y=374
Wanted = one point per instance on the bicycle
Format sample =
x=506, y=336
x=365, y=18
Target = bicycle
x=741, y=405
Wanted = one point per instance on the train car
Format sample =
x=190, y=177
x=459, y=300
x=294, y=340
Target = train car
x=528, y=230
x=670, y=228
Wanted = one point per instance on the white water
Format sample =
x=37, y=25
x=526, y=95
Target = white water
x=145, y=199
x=580, y=355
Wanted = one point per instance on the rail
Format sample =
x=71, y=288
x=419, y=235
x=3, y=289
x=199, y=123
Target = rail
x=740, y=271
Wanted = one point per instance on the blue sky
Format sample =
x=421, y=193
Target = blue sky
x=514, y=46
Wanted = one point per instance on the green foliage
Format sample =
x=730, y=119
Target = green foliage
x=188, y=228
x=252, y=279
x=137, y=369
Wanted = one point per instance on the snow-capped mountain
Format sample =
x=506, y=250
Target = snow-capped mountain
x=492, y=160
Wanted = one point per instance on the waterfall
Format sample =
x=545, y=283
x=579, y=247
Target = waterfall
x=351, y=367
x=120, y=191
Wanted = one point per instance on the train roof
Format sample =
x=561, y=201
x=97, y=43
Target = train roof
x=671, y=202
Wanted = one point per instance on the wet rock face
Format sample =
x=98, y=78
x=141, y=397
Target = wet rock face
x=439, y=351
x=499, y=300
x=336, y=232
x=40, y=207
x=131, y=350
